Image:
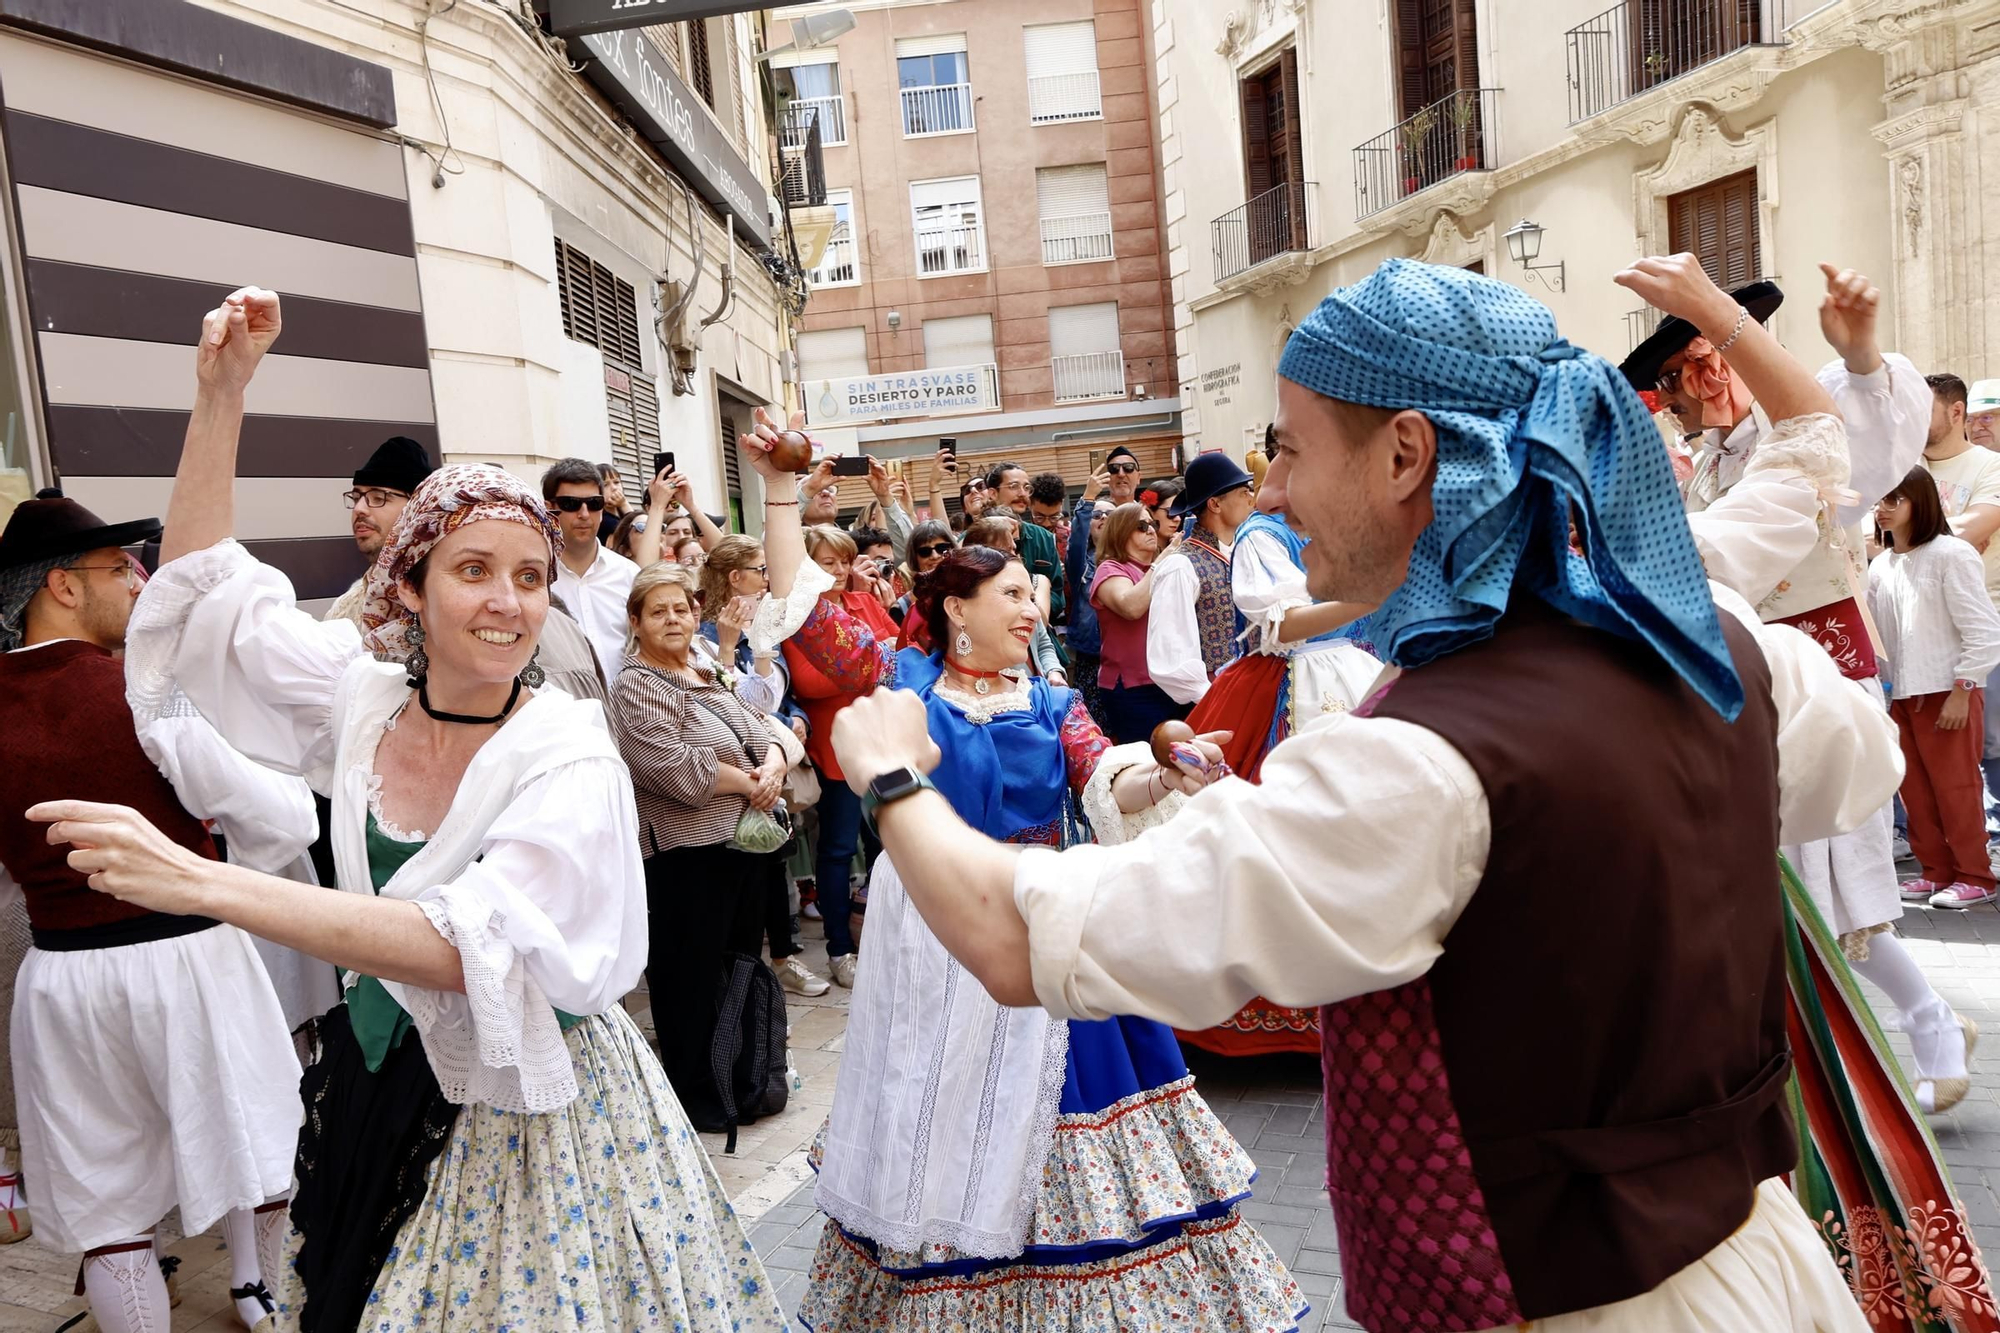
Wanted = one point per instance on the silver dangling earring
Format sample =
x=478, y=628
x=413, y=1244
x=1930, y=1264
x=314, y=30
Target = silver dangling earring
x=418, y=663
x=532, y=675
x=963, y=644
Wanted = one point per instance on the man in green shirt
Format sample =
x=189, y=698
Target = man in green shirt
x=1007, y=484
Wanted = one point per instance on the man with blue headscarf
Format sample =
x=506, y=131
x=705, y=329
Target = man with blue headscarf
x=1554, y=1041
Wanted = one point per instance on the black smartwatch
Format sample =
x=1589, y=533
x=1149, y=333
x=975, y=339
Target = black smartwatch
x=893, y=786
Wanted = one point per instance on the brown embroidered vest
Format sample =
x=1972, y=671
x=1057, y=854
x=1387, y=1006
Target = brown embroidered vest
x=1581, y=1096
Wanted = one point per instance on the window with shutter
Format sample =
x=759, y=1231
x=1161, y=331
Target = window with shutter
x=1671, y=37
x=1718, y=224
x=1062, y=72
x=950, y=226
x=1084, y=355
x=1075, y=205
x=602, y=309
x=1274, y=158
x=935, y=82
x=700, y=74
x=1437, y=51
x=833, y=354
x=959, y=340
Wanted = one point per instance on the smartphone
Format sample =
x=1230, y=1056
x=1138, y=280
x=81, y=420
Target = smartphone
x=949, y=445
x=1098, y=458
x=851, y=465
x=662, y=462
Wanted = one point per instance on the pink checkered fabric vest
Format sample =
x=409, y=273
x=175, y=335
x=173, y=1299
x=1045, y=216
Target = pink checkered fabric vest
x=1582, y=1094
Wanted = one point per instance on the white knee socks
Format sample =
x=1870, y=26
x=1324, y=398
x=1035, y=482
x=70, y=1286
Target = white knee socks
x=1935, y=1038
x=250, y=1271
x=127, y=1293
x=274, y=1221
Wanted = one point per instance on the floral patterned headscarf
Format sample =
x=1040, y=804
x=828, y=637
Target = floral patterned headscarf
x=448, y=499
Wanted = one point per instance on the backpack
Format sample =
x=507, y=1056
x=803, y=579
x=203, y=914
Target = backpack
x=747, y=1055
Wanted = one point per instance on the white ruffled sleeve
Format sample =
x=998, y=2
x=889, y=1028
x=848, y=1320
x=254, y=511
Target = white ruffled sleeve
x=552, y=916
x=267, y=817
x=226, y=630
x=1267, y=587
x=1888, y=416
x=1112, y=825
x=779, y=619
x=1753, y=536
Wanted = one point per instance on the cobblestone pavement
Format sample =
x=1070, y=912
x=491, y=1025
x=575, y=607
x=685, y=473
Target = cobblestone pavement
x=1271, y=1104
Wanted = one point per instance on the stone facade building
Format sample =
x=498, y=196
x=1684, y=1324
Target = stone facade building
x=1303, y=142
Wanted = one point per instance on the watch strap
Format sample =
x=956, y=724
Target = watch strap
x=873, y=799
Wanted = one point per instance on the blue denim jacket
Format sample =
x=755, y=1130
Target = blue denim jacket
x=1080, y=562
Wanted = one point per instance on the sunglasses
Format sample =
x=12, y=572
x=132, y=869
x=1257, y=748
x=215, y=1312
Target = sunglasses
x=934, y=548
x=1122, y=469
x=569, y=504
x=1148, y=525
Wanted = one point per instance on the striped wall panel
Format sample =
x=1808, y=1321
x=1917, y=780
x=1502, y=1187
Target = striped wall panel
x=142, y=199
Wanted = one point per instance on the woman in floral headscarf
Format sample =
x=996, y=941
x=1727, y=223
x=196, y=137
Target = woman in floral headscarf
x=484, y=831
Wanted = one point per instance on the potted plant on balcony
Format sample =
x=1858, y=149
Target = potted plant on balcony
x=1416, y=135
x=1463, y=111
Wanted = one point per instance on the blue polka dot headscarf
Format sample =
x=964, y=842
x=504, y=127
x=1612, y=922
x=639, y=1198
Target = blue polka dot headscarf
x=1528, y=427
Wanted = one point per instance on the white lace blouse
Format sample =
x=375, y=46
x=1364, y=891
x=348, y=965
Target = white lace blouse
x=534, y=874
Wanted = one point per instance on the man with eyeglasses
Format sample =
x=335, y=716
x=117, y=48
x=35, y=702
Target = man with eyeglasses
x=1120, y=477
x=1008, y=484
x=592, y=580
x=145, y=1039
x=382, y=486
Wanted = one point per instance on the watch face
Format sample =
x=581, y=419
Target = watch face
x=896, y=782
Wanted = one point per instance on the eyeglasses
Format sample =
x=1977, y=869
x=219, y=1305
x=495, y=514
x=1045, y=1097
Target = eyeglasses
x=934, y=548
x=1122, y=469
x=1668, y=381
x=374, y=495
x=569, y=504
x=759, y=570
x=134, y=576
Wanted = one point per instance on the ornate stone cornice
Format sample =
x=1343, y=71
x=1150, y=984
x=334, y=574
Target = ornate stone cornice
x=1939, y=120
x=1274, y=274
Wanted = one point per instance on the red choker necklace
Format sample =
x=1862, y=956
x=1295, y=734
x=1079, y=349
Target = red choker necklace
x=980, y=679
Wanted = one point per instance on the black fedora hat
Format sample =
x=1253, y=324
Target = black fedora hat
x=1208, y=476
x=1642, y=367
x=49, y=529
x=399, y=463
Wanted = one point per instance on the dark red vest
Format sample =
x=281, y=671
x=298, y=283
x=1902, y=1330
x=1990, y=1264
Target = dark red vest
x=68, y=735
x=1581, y=1096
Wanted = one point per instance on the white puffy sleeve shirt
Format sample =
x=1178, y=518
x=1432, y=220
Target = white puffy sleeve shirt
x=1267, y=587
x=535, y=878
x=1343, y=871
x=1173, y=638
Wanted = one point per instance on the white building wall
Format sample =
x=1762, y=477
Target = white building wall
x=535, y=155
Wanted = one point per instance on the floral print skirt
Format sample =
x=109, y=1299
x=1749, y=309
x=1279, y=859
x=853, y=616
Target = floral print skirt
x=604, y=1216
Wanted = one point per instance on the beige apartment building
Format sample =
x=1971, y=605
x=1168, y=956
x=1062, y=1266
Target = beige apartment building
x=997, y=208
x=1549, y=142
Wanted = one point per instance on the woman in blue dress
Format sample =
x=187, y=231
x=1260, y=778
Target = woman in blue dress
x=995, y=1168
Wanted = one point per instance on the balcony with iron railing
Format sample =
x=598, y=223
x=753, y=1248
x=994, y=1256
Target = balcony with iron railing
x=1279, y=221
x=1077, y=239
x=803, y=182
x=836, y=265
x=1449, y=137
x=1640, y=44
x=941, y=108
x=942, y=250
x=801, y=113
x=1053, y=98
x=1088, y=375
x=1640, y=325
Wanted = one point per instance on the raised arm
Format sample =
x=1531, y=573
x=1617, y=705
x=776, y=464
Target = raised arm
x=234, y=337
x=1678, y=285
x=784, y=537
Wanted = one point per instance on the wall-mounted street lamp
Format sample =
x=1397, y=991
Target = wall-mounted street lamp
x=1524, y=246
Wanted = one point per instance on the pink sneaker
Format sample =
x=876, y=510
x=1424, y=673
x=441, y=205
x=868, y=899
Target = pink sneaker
x=1920, y=890
x=1960, y=895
